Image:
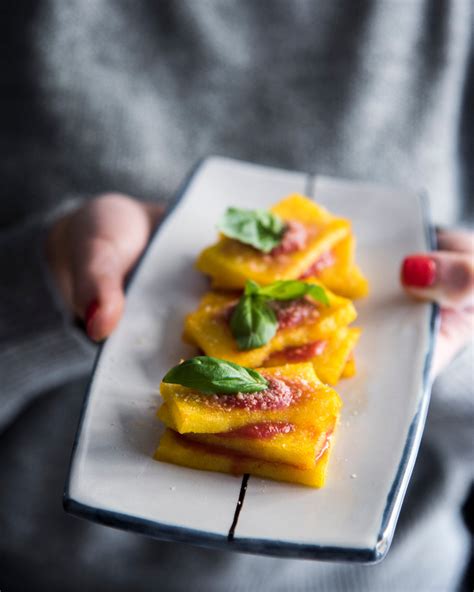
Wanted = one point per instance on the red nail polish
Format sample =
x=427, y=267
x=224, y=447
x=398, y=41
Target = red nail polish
x=89, y=317
x=418, y=271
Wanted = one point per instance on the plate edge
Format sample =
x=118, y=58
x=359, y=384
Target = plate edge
x=397, y=492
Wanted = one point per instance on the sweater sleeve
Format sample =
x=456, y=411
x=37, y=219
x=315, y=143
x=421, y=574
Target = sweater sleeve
x=40, y=347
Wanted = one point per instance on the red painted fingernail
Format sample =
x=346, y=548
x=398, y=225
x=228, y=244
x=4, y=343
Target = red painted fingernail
x=89, y=317
x=418, y=271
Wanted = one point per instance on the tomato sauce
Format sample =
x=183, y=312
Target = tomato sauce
x=260, y=431
x=302, y=353
x=291, y=313
x=325, y=260
x=295, y=238
x=279, y=394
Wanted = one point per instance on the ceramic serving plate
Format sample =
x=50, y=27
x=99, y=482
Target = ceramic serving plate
x=113, y=478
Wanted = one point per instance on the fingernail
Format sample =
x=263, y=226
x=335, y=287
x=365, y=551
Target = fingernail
x=418, y=271
x=91, y=313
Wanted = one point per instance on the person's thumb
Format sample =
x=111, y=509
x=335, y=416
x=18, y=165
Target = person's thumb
x=98, y=281
x=445, y=277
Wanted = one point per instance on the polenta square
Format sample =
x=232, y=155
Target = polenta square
x=294, y=395
x=336, y=269
x=180, y=450
x=300, y=321
x=278, y=441
x=329, y=356
x=309, y=232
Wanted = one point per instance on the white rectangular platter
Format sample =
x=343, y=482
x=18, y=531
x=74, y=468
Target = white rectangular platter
x=113, y=478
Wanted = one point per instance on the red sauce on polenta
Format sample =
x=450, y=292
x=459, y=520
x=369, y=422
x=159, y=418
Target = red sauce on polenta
x=264, y=430
x=295, y=238
x=302, y=353
x=291, y=313
x=322, y=262
x=281, y=393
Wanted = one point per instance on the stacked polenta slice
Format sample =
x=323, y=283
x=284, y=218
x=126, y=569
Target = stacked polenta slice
x=328, y=252
x=275, y=335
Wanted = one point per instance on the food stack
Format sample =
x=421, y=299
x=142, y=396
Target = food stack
x=275, y=334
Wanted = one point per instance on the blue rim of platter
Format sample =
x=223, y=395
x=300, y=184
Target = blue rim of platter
x=260, y=546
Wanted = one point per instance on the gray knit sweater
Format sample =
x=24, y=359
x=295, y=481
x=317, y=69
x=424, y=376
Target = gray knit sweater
x=127, y=95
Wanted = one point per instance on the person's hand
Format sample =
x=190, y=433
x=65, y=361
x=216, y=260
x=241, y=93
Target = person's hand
x=91, y=251
x=447, y=277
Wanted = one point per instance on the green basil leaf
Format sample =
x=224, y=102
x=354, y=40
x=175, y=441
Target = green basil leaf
x=290, y=290
x=318, y=293
x=253, y=322
x=251, y=287
x=215, y=376
x=259, y=228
